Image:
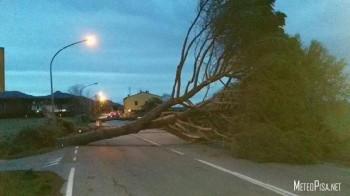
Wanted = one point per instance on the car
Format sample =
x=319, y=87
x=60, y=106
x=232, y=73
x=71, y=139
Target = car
x=113, y=114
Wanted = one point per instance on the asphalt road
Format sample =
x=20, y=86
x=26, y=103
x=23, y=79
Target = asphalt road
x=154, y=162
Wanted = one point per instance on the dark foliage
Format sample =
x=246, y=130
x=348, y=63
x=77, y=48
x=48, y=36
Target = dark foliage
x=31, y=139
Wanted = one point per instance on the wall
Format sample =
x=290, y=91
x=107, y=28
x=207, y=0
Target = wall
x=140, y=98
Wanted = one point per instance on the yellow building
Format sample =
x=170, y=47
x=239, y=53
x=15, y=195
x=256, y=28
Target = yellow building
x=134, y=103
x=2, y=70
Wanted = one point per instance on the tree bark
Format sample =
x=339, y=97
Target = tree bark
x=110, y=132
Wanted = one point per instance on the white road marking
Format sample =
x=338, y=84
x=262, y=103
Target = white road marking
x=76, y=147
x=53, y=162
x=178, y=152
x=144, y=139
x=75, y=151
x=75, y=158
x=69, y=190
x=249, y=179
x=56, y=160
x=50, y=164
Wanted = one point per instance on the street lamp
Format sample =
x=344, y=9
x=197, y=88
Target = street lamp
x=81, y=93
x=81, y=90
x=90, y=40
x=100, y=98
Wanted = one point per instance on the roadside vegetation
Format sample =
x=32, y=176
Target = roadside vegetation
x=31, y=183
x=10, y=127
x=25, y=137
x=340, y=122
x=29, y=136
x=283, y=104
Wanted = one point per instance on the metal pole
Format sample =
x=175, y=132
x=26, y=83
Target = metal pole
x=87, y=86
x=81, y=91
x=52, y=95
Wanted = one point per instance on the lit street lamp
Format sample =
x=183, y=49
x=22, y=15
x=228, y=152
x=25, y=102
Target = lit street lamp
x=90, y=41
x=100, y=98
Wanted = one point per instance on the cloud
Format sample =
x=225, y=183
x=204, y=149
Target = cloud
x=129, y=34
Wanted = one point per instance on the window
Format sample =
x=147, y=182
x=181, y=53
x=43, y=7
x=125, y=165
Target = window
x=136, y=103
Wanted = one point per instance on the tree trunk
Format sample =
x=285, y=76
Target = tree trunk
x=110, y=132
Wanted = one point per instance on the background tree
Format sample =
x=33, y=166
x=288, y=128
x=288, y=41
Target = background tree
x=85, y=104
x=76, y=89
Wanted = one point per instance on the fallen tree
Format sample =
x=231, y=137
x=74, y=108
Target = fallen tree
x=211, y=63
x=217, y=58
x=275, y=93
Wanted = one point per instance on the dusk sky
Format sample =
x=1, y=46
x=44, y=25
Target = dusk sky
x=138, y=42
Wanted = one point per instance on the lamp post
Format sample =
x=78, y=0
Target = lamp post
x=81, y=90
x=81, y=93
x=90, y=40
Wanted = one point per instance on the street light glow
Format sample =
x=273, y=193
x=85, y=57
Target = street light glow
x=102, y=97
x=90, y=40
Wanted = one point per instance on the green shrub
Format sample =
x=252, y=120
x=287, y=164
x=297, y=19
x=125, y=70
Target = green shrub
x=34, y=138
x=67, y=127
x=30, y=183
x=31, y=139
x=281, y=107
x=269, y=143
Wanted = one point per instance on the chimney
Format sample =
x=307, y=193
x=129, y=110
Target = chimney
x=2, y=69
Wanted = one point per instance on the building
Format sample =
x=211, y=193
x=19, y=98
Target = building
x=15, y=104
x=65, y=104
x=2, y=69
x=133, y=103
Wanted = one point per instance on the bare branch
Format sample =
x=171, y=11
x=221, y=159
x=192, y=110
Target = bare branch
x=185, y=50
x=197, y=63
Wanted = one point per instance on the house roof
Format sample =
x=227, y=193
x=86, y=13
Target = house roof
x=143, y=92
x=14, y=94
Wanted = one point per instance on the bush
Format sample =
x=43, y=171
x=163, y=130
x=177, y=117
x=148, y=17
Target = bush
x=66, y=126
x=268, y=143
x=281, y=107
x=32, y=139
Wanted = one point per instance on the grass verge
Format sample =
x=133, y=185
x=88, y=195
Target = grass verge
x=30, y=183
x=10, y=127
x=35, y=139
